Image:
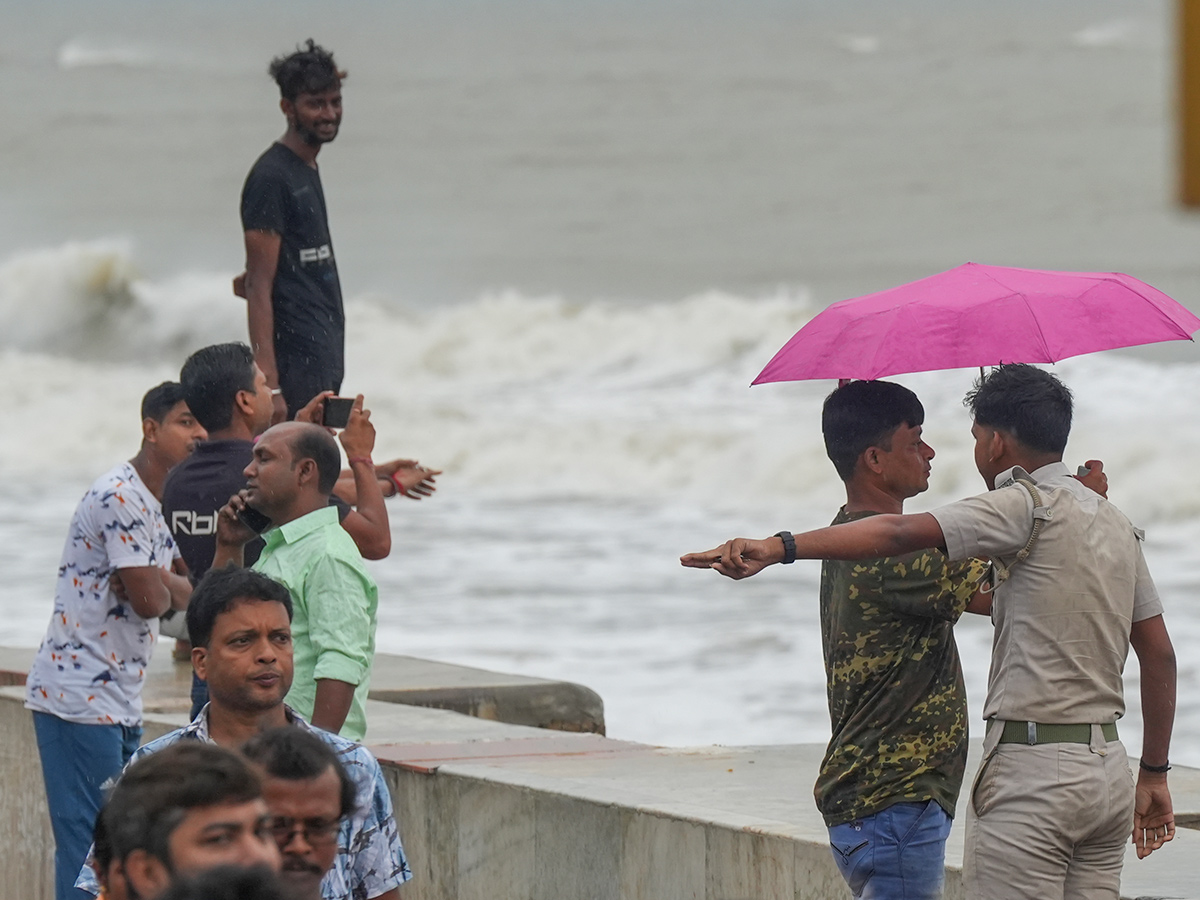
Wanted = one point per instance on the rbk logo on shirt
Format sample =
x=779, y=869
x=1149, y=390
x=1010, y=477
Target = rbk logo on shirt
x=186, y=521
x=315, y=254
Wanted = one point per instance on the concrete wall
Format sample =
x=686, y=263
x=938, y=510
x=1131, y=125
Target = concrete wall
x=509, y=812
x=474, y=839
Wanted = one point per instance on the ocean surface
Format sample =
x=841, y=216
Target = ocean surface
x=570, y=235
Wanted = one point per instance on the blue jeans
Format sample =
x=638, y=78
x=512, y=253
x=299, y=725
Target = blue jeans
x=76, y=761
x=897, y=854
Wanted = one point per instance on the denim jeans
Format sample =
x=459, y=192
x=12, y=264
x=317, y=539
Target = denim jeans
x=897, y=854
x=76, y=761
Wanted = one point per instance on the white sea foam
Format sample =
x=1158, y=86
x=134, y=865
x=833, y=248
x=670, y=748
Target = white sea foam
x=87, y=51
x=1112, y=33
x=550, y=395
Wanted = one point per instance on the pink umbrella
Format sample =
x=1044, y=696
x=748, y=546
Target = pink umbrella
x=978, y=315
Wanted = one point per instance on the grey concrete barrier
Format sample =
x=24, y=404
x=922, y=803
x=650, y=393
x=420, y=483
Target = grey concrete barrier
x=498, y=810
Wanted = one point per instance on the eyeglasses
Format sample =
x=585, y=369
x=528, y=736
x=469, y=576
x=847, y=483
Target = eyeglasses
x=315, y=831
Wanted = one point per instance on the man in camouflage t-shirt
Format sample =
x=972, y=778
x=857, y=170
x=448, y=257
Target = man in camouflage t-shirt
x=897, y=704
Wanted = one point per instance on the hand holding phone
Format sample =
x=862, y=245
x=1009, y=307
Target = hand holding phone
x=253, y=519
x=336, y=411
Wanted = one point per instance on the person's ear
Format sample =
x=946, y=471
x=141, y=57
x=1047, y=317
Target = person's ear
x=244, y=401
x=306, y=472
x=289, y=108
x=870, y=459
x=200, y=662
x=150, y=430
x=145, y=875
x=999, y=445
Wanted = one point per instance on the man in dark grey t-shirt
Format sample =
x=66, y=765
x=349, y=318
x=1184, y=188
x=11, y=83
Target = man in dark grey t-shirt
x=294, y=299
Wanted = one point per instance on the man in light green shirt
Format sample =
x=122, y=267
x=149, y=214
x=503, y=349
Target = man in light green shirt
x=289, y=479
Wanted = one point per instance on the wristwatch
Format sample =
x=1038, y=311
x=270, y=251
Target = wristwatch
x=789, y=547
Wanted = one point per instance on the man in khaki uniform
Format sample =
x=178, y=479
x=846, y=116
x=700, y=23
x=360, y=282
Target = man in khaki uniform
x=1053, y=801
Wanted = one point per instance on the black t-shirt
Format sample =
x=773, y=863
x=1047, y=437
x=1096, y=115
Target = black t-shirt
x=283, y=194
x=195, y=491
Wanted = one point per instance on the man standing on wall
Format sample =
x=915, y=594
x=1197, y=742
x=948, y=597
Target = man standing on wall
x=294, y=299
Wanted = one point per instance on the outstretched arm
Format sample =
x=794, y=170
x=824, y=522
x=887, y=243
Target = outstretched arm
x=1153, y=814
x=870, y=538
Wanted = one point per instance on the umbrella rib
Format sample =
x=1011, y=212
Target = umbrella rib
x=1012, y=292
x=1162, y=313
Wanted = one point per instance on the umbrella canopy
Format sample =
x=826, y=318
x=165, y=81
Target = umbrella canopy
x=977, y=315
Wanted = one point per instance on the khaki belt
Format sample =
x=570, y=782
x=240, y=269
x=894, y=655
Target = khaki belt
x=1037, y=733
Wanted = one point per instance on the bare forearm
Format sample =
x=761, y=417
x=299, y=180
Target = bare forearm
x=261, y=321
x=1156, y=657
x=145, y=591
x=871, y=538
x=262, y=261
x=180, y=589
x=332, y=704
x=229, y=555
x=373, y=533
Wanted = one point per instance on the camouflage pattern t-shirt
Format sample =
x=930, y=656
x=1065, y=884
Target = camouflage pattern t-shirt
x=897, y=702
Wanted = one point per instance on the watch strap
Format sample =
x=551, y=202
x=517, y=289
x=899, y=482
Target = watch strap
x=789, y=547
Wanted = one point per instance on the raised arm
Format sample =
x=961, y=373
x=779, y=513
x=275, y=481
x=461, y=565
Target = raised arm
x=368, y=525
x=869, y=538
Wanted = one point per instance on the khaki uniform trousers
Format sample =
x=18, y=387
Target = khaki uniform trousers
x=1048, y=821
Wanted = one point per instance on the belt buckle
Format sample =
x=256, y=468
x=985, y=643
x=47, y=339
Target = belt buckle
x=1031, y=733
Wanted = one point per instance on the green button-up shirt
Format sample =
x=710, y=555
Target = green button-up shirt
x=335, y=603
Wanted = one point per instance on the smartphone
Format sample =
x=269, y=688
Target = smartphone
x=336, y=411
x=253, y=519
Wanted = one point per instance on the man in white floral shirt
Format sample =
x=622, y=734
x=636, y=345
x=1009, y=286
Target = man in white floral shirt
x=119, y=572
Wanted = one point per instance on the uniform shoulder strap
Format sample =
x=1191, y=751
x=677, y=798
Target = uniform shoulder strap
x=1040, y=514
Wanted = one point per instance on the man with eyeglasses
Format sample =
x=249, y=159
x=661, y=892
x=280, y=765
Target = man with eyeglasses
x=239, y=622
x=308, y=795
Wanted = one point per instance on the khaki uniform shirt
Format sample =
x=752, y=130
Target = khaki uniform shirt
x=1063, y=618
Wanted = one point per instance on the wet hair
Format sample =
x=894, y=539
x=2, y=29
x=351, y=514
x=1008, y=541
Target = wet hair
x=864, y=414
x=102, y=850
x=160, y=400
x=310, y=70
x=1027, y=402
x=155, y=792
x=296, y=754
x=317, y=444
x=220, y=590
x=228, y=883
x=212, y=378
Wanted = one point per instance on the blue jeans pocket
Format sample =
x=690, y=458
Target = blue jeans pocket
x=853, y=854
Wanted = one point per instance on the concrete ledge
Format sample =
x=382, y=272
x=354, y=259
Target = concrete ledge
x=490, y=809
x=515, y=699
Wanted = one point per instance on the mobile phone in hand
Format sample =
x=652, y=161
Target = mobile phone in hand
x=253, y=519
x=336, y=411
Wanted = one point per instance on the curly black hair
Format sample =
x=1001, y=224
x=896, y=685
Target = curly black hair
x=310, y=70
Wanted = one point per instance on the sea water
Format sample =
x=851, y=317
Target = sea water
x=569, y=239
